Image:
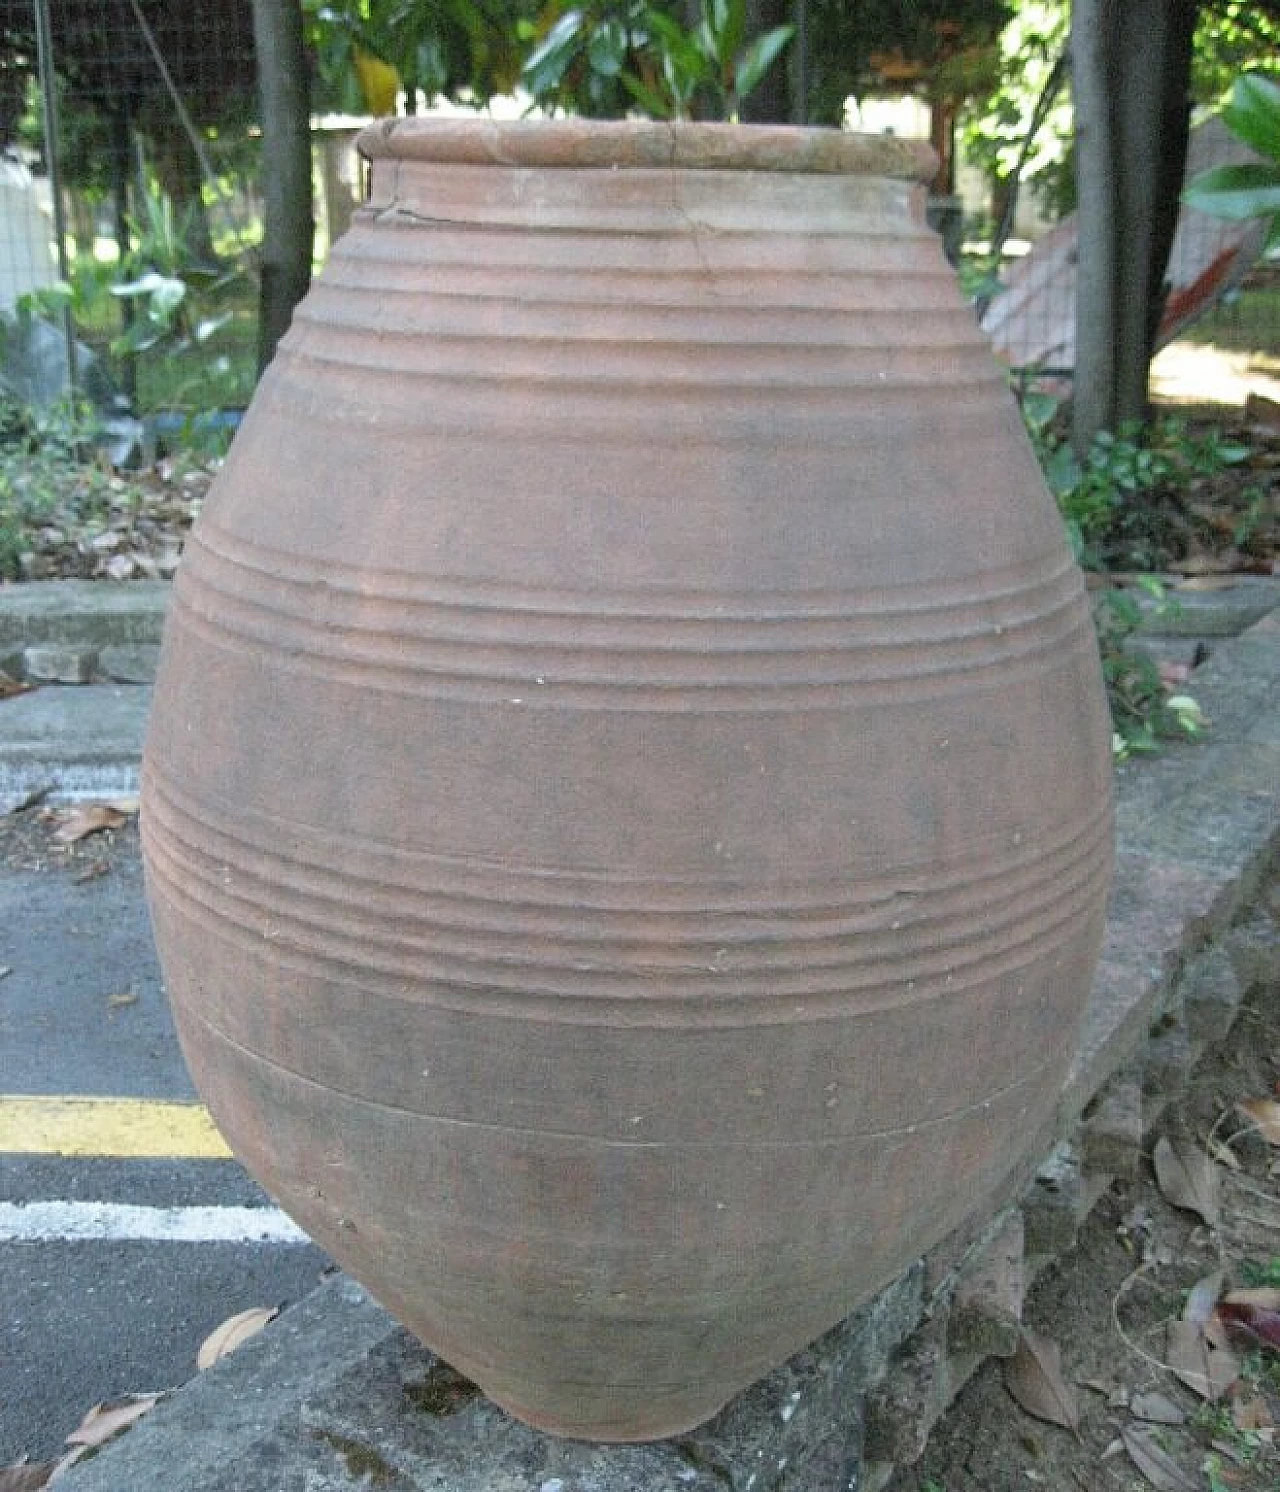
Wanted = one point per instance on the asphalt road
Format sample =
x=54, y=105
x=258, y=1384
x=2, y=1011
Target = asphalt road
x=92, y=1304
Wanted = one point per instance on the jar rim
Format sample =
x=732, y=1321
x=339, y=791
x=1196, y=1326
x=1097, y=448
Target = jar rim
x=644, y=143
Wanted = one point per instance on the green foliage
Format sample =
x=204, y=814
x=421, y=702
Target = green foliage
x=46, y=471
x=979, y=278
x=579, y=52
x=1110, y=505
x=181, y=309
x=87, y=295
x=578, y=56
x=996, y=123
x=1239, y=1448
x=436, y=46
x=1250, y=189
x=1143, y=711
x=1232, y=37
x=937, y=48
x=1113, y=502
x=609, y=57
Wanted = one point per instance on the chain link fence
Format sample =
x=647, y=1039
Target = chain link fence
x=128, y=201
x=1220, y=291
x=130, y=211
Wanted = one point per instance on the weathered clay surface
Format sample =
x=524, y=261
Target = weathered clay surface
x=628, y=792
x=630, y=143
x=258, y=1421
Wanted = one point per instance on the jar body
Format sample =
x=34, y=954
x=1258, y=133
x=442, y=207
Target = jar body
x=627, y=801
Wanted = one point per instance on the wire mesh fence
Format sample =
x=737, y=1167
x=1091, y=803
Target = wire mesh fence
x=130, y=210
x=128, y=199
x=1218, y=287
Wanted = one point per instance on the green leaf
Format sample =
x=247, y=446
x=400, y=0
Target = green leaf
x=211, y=325
x=1253, y=115
x=143, y=285
x=681, y=47
x=1232, y=455
x=707, y=42
x=667, y=34
x=607, y=49
x=759, y=58
x=1062, y=470
x=167, y=297
x=651, y=101
x=681, y=83
x=546, y=65
x=731, y=25
x=202, y=277
x=1040, y=409
x=140, y=337
x=1239, y=192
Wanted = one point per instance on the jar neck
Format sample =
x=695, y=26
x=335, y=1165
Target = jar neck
x=663, y=202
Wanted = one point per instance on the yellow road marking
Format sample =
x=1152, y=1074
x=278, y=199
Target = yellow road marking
x=124, y=1127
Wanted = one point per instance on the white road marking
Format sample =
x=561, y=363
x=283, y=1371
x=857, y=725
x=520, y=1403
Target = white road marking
x=71, y=1222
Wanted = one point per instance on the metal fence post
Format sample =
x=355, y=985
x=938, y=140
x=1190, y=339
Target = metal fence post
x=49, y=100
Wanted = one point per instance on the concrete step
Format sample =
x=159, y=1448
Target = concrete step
x=72, y=742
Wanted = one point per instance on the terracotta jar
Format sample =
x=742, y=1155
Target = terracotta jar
x=627, y=800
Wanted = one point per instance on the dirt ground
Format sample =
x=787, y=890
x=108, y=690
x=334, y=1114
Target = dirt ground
x=1113, y=1306
x=83, y=841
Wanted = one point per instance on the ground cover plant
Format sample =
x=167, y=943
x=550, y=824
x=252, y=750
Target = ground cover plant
x=1185, y=501
x=67, y=513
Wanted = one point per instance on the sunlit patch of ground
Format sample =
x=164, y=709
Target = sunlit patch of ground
x=1195, y=373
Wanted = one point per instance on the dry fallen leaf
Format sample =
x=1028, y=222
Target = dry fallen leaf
x=1223, y=1154
x=1260, y=410
x=1156, y=1408
x=1265, y=1297
x=1033, y=1375
x=1255, y=1326
x=1202, y=1297
x=232, y=1332
x=1154, y=1462
x=1202, y=575
x=1206, y=1368
x=89, y=818
x=1187, y=1178
x=105, y=1420
x=124, y=997
x=1265, y=1114
x=33, y=799
x=1251, y=1414
x=24, y=1477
